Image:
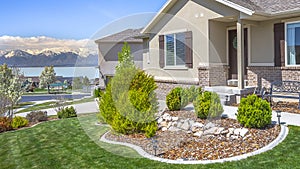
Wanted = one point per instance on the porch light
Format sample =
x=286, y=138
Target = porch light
x=278, y=112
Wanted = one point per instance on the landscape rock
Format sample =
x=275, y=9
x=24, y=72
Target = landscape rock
x=237, y=132
x=164, y=124
x=198, y=134
x=210, y=131
x=175, y=118
x=160, y=120
x=243, y=132
x=164, y=129
x=219, y=130
x=209, y=125
x=185, y=125
x=198, y=125
x=173, y=129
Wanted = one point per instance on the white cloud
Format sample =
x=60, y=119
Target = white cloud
x=37, y=44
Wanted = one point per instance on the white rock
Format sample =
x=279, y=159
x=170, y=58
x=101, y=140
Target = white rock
x=164, y=129
x=198, y=134
x=175, y=118
x=219, y=130
x=198, y=125
x=228, y=135
x=234, y=137
x=166, y=116
x=169, y=124
x=195, y=129
x=209, y=125
x=185, y=126
x=160, y=120
x=225, y=132
x=164, y=124
x=172, y=128
x=237, y=132
x=210, y=131
x=191, y=122
x=243, y=132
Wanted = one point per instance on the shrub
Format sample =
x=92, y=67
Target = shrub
x=67, y=112
x=18, y=122
x=5, y=124
x=192, y=93
x=177, y=99
x=208, y=104
x=37, y=116
x=254, y=112
x=129, y=102
x=98, y=92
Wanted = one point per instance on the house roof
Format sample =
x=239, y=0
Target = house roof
x=269, y=6
x=249, y=7
x=127, y=35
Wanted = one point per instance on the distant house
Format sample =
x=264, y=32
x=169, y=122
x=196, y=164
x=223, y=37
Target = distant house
x=109, y=46
x=215, y=42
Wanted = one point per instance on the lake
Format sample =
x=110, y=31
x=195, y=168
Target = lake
x=90, y=72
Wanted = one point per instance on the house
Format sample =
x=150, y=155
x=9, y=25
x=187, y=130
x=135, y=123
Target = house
x=108, y=48
x=223, y=42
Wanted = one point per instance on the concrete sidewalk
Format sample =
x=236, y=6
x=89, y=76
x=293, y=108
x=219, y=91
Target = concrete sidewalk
x=92, y=107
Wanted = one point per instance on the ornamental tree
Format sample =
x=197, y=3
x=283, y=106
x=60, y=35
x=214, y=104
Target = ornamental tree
x=47, y=77
x=10, y=89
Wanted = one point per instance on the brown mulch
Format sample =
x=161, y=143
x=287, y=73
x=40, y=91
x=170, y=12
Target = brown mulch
x=180, y=145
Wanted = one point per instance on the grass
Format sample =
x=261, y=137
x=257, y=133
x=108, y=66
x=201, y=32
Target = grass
x=73, y=143
x=49, y=104
x=23, y=104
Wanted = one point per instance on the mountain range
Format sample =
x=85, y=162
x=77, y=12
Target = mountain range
x=47, y=57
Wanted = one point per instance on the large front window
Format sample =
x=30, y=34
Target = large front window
x=175, y=49
x=293, y=44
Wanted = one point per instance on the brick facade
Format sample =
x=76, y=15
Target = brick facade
x=163, y=88
x=265, y=75
x=213, y=75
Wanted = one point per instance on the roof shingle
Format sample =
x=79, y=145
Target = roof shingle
x=127, y=35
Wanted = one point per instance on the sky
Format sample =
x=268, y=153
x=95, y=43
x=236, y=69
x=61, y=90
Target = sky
x=71, y=19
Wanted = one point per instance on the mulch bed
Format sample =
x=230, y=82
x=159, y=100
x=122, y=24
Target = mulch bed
x=181, y=145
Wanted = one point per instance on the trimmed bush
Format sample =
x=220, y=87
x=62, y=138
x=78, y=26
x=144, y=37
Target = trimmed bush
x=192, y=93
x=207, y=105
x=129, y=102
x=67, y=112
x=37, y=116
x=18, y=122
x=177, y=99
x=254, y=112
x=5, y=124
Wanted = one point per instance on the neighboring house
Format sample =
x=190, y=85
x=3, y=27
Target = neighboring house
x=213, y=42
x=109, y=46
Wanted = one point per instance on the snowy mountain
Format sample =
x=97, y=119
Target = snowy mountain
x=46, y=57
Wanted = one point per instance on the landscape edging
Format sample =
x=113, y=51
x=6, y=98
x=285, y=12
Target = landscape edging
x=282, y=135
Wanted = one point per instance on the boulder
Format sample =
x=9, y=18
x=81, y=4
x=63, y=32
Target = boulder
x=159, y=120
x=198, y=125
x=164, y=129
x=173, y=129
x=210, y=131
x=219, y=130
x=164, y=124
x=209, y=125
x=237, y=132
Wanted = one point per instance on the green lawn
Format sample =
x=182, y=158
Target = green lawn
x=73, y=143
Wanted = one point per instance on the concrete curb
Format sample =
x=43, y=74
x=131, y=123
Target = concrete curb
x=282, y=135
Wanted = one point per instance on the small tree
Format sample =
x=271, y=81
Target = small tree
x=47, y=77
x=10, y=88
x=77, y=83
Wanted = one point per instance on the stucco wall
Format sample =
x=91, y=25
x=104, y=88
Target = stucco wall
x=186, y=16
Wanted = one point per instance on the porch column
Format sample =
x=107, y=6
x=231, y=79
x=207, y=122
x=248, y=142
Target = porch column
x=240, y=53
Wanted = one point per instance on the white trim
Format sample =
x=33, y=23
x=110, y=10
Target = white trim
x=236, y=6
x=261, y=64
x=175, y=68
x=175, y=31
x=285, y=43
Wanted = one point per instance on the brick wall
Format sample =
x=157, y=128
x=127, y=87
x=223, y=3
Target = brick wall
x=264, y=76
x=163, y=88
x=213, y=75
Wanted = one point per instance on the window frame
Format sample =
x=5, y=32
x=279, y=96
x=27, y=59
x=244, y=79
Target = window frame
x=286, y=43
x=175, y=66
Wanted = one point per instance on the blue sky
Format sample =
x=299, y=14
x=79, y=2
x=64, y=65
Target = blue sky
x=68, y=19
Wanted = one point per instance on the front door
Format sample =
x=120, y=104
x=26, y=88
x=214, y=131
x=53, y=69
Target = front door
x=232, y=53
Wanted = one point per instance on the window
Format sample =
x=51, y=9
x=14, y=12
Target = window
x=293, y=44
x=176, y=50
